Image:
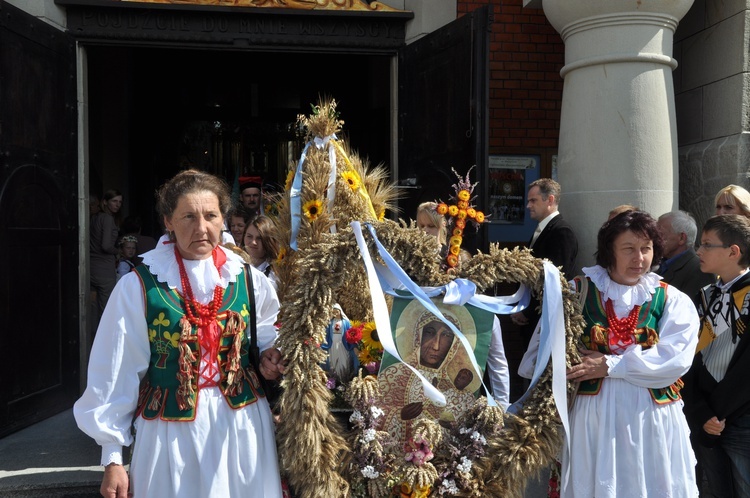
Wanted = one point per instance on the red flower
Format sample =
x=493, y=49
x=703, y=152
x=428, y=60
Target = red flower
x=354, y=334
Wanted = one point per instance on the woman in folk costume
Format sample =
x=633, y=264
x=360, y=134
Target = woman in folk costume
x=628, y=435
x=172, y=359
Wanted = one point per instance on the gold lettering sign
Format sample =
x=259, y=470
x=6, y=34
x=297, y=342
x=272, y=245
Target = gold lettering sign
x=360, y=5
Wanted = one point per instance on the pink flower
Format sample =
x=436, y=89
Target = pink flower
x=418, y=451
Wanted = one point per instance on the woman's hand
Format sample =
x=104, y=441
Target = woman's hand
x=593, y=366
x=714, y=426
x=271, y=364
x=115, y=482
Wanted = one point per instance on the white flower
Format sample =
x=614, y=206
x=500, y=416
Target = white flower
x=368, y=435
x=475, y=436
x=465, y=465
x=449, y=486
x=370, y=472
x=356, y=417
x=376, y=412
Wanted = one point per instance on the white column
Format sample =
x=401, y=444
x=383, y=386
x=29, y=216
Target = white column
x=618, y=135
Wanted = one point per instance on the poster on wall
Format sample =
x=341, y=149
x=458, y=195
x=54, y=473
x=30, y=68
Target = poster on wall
x=507, y=187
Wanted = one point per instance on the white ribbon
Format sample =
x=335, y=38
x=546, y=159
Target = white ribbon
x=321, y=143
x=551, y=345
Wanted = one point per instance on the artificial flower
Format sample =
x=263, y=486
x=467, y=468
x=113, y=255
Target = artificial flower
x=352, y=179
x=456, y=240
x=289, y=180
x=461, y=224
x=457, y=232
x=312, y=209
x=479, y=217
x=471, y=213
x=462, y=204
x=354, y=334
x=452, y=260
x=442, y=208
x=452, y=210
x=463, y=195
x=455, y=250
x=280, y=257
x=461, y=214
x=370, y=336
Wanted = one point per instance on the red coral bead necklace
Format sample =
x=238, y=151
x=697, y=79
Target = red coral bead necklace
x=204, y=314
x=622, y=328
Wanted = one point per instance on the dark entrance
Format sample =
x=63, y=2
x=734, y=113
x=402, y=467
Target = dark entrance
x=38, y=221
x=155, y=111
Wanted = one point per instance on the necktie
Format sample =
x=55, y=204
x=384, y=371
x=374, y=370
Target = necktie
x=536, y=235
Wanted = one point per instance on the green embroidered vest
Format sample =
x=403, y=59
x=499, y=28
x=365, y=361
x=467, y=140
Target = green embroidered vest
x=169, y=389
x=595, y=336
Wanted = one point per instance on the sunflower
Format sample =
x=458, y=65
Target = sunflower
x=352, y=179
x=289, y=180
x=312, y=209
x=280, y=257
x=365, y=356
x=381, y=215
x=370, y=336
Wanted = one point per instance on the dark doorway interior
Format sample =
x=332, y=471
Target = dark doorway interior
x=153, y=111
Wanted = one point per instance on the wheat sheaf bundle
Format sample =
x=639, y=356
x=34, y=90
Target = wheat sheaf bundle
x=318, y=456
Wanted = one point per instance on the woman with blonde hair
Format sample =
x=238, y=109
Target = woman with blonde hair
x=429, y=220
x=733, y=199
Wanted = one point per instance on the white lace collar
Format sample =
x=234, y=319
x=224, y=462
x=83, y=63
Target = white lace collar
x=202, y=273
x=624, y=297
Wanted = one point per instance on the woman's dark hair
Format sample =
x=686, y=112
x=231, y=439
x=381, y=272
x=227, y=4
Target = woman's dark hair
x=190, y=181
x=638, y=222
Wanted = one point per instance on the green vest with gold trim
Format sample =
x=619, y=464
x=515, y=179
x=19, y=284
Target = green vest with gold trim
x=169, y=389
x=595, y=336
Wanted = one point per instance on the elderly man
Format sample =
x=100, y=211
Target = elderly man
x=680, y=266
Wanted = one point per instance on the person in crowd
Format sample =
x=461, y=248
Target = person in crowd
x=717, y=402
x=553, y=239
x=251, y=195
x=628, y=435
x=172, y=362
x=431, y=222
x=680, y=266
x=261, y=242
x=132, y=225
x=103, y=248
x=95, y=205
x=126, y=261
x=621, y=209
x=238, y=220
x=733, y=199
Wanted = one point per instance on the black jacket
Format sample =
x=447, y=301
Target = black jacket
x=729, y=398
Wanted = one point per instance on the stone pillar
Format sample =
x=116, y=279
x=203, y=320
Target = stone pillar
x=618, y=135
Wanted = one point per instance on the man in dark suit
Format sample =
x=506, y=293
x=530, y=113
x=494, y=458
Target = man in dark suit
x=680, y=266
x=553, y=239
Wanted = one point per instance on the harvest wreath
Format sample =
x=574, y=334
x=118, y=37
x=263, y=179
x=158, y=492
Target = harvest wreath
x=488, y=452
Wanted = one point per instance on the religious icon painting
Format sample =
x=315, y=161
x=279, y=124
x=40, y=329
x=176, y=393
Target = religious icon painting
x=429, y=345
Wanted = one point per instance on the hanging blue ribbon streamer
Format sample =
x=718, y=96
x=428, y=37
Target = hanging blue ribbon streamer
x=295, y=201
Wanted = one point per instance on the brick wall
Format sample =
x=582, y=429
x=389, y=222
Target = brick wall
x=526, y=55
